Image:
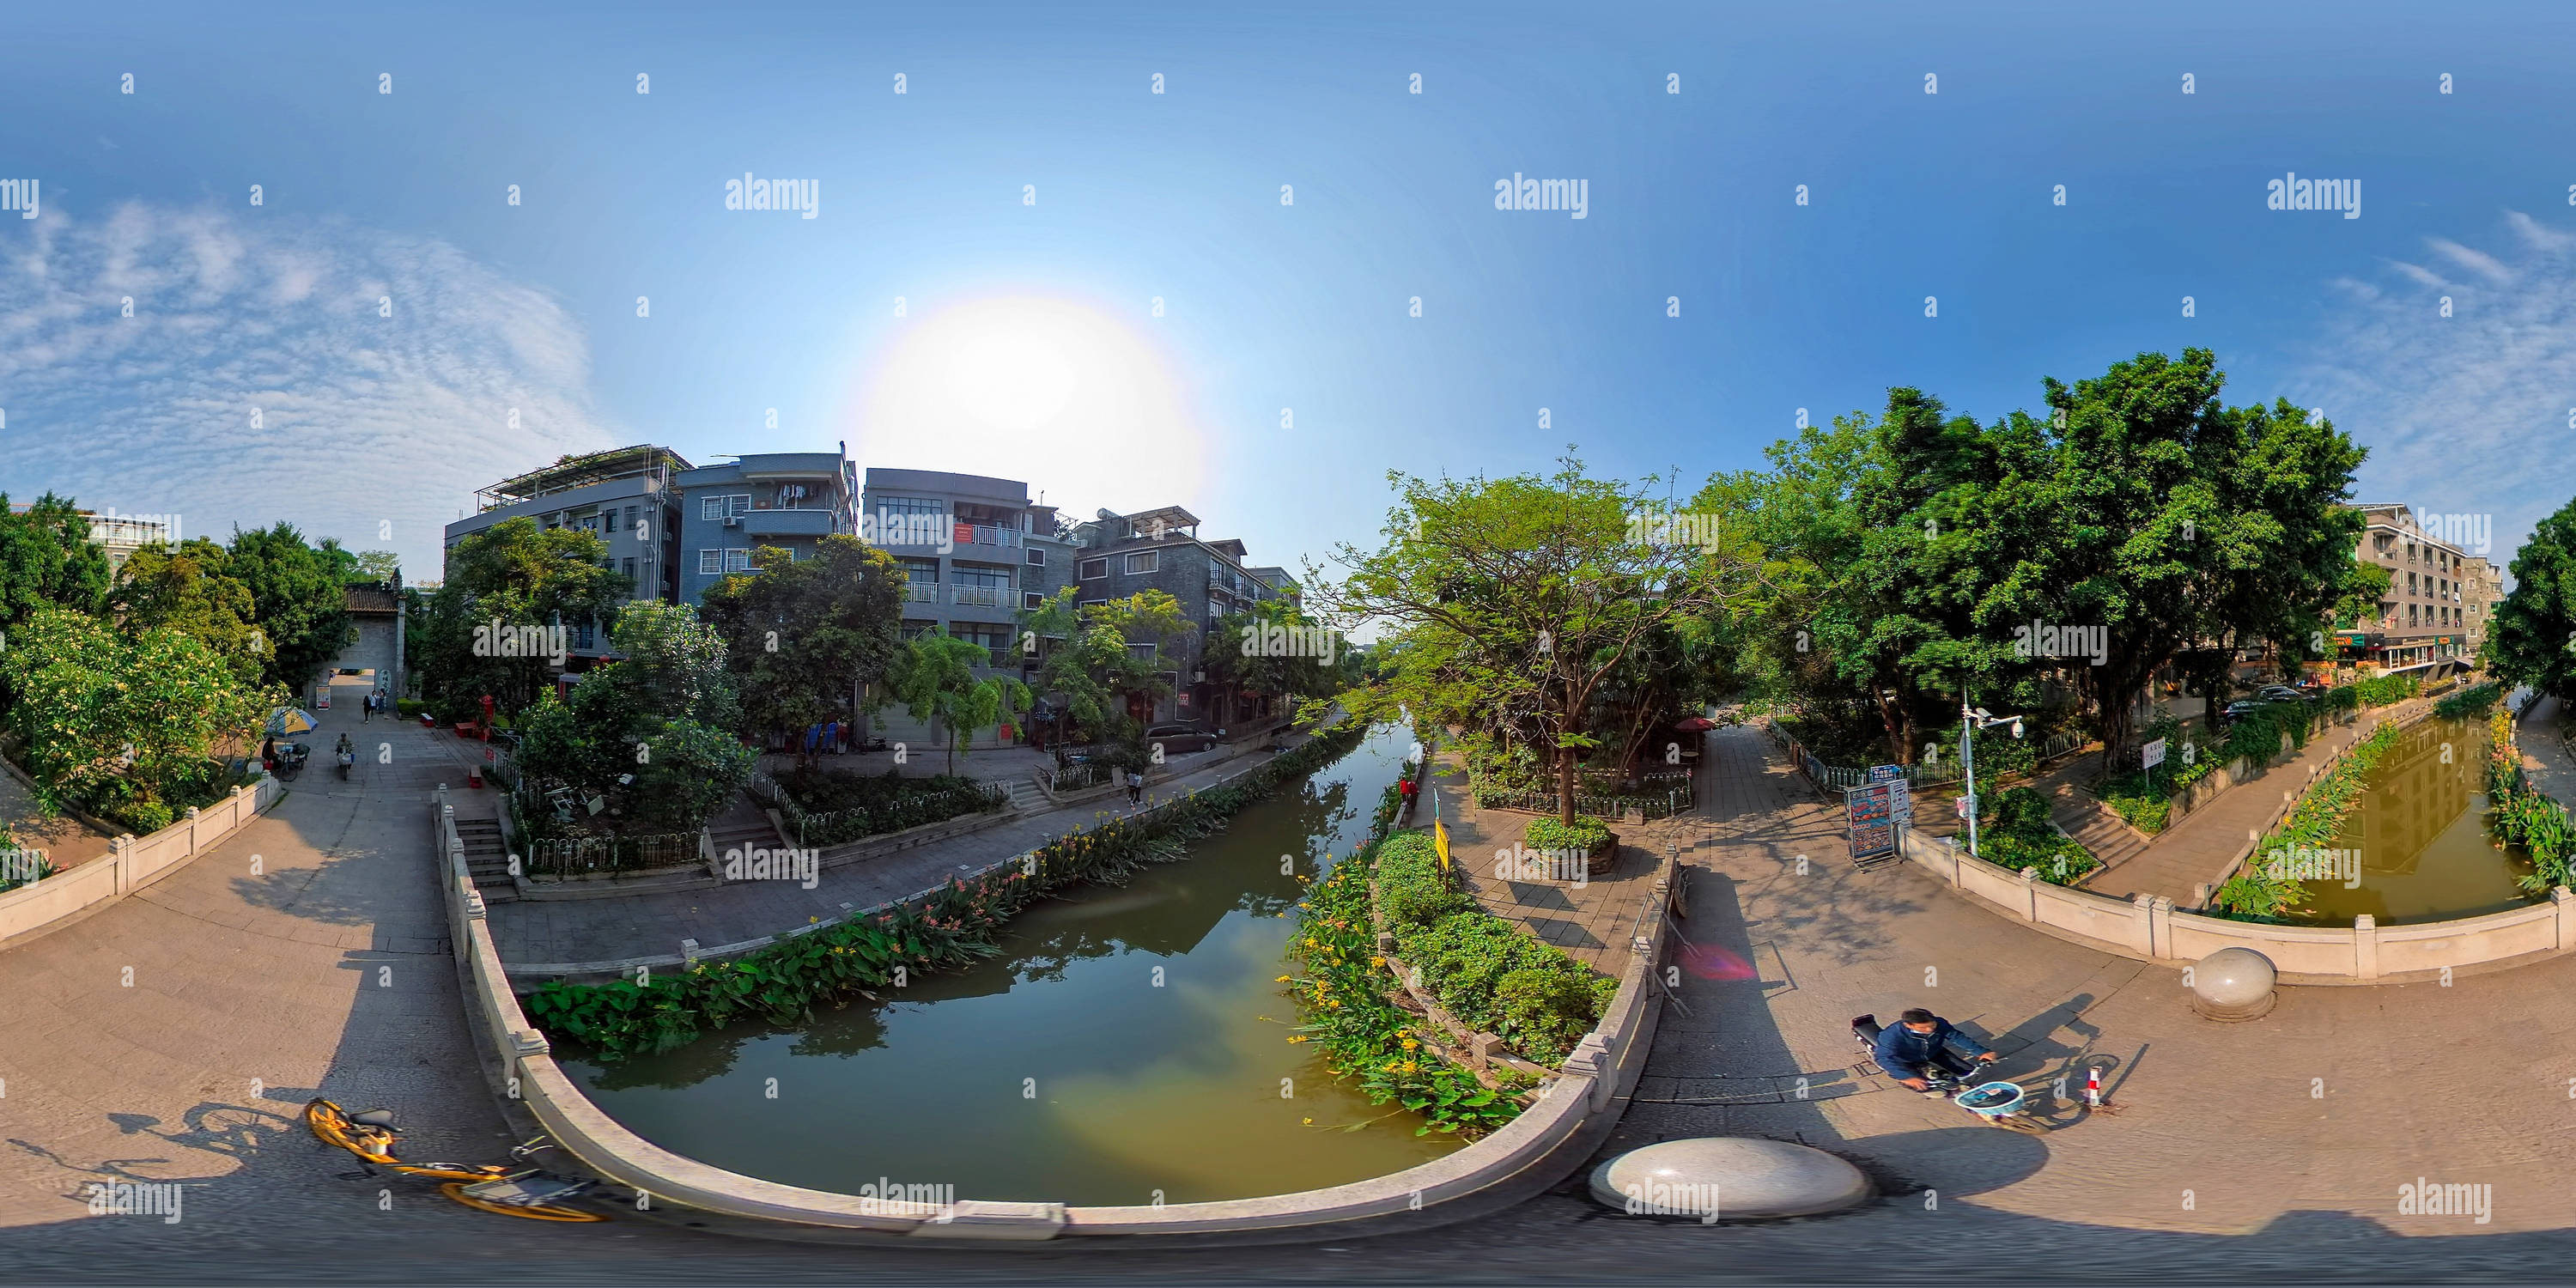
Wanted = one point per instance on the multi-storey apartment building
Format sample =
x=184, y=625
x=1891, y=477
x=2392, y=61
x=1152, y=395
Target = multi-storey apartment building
x=1123, y=555
x=629, y=496
x=2486, y=590
x=978, y=553
x=120, y=535
x=789, y=500
x=2423, y=622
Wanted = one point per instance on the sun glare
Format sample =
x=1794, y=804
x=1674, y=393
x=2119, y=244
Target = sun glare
x=1050, y=391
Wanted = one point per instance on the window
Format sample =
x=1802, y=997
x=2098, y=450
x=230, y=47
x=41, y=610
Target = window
x=710, y=563
x=1037, y=557
x=921, y=570
x=971, y=575
x=1216, y=611
x=1148, y=561
x=913, y=630
x=996, y=640
x=1092, y=569
x=1144, y=650
x=738, y=561
x=629, y=569
x=910, y=505
x=1032, y=601
x=716, y=508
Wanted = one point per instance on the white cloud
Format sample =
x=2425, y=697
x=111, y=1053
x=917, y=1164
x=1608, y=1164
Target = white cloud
x=366, y=420
x=2468, y=414
x=2484, y=265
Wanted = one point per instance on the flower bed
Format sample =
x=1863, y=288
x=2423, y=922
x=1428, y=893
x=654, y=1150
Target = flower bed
x=2522, y=815
x=953, y=926
x=2014, y=831
x=1341, y=993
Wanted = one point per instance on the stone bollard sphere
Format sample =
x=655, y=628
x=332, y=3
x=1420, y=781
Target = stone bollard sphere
x=1728, y=1178
x=2233, y=984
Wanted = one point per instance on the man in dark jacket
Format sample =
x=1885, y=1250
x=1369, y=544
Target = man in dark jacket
x=1919, y=1042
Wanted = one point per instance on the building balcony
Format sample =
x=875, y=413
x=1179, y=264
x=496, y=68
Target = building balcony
x=982, y=597
x=921, y=594
x=789, y=523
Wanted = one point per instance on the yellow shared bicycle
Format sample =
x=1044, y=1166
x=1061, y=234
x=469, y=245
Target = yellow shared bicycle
x=526, y=1192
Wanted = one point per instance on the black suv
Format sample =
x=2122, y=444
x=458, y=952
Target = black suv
x=1180, y=739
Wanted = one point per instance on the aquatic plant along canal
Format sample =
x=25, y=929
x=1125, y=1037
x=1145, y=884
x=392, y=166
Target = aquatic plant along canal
x=2417, y=847
x=1130, y=1046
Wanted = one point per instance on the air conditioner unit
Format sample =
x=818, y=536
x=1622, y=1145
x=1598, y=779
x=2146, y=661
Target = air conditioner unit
x=733, y=520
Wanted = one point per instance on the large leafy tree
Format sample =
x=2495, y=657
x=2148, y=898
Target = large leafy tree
x=1093, y=662
x=675, y=663
x=2533, y=636
x=297, y=601
x=804, y=634
x=1518, y=598
x=520, y=575
x=934, y=677
x=1269, y=648
x=190, y=588
x=48, y=561
x=122, y=719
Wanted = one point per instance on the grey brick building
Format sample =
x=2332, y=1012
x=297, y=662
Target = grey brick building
x=791, y=500
x=1125, y=554
x=629, y=496
x=979, y=553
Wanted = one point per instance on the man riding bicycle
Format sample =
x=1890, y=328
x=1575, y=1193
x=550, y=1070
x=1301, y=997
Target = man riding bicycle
x=1920, y=1042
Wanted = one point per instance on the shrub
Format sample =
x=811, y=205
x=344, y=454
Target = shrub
x=1464, y=960
x=2470, y=701
x=2014, y=831
x=409, y=708
x=146, y=817
x=1550, y=1008
x=1412, y=891
x=1587, y=834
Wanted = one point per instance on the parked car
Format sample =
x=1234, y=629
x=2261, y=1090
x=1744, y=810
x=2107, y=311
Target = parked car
x=2283, y=693
x=2241, y=708
x=1180, y=739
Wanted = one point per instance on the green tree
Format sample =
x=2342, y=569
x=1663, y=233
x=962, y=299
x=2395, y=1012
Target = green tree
x=675, y=663
x=189, y=588
x=516, y=574
x=47, y=560
x=934, y=677
x=2533, y=637
x=297, y=602
x=804, y=634
x=1517, y=598
x=1099, y=656
x=122, y=719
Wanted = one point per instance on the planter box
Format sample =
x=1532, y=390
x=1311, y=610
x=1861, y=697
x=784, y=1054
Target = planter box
x=1597, y=861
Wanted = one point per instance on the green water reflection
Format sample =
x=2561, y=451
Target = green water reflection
x=2421, y=835
x=1063, y=1070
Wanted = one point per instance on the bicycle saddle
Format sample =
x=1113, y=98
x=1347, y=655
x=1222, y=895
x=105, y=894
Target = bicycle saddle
x=374, y=1118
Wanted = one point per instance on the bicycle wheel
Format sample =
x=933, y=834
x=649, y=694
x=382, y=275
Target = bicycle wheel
x=534, y=1212
x=452, y=1171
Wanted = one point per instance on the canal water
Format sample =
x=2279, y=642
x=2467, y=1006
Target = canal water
x=1129, y=1045
x=2421, y=836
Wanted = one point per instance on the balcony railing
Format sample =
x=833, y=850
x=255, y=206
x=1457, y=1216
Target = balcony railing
x=979, y=596
x=921, y=594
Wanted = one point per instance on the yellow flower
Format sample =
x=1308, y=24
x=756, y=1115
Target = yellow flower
x=1410, y=1066
x=1410, y=1044
x=1310, y=1122
x=1282, y=979
x=1377, y=961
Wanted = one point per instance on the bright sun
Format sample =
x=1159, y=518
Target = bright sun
x=1049, y=391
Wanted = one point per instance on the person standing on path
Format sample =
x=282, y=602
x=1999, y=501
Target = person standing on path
x=1135, y=788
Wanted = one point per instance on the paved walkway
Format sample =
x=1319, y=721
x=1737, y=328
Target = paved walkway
x=2542, y=739
x=2322, y=1106
x=174, y=1035
x=66, y=841
x=619, y=927
x=1591, y=921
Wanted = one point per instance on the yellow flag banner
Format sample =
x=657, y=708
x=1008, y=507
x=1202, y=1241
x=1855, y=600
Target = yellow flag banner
x=1440, y=842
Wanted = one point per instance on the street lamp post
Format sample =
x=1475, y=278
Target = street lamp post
x=1971, y=719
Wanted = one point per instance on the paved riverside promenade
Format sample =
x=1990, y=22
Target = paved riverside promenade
x=275, y=977
x=619, y=927
x=2329, y=1104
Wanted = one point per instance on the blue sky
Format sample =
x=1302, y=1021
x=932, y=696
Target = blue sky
x=372, y=425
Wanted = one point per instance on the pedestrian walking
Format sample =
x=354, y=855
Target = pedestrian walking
x=366, y=708
x=1135, y=788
